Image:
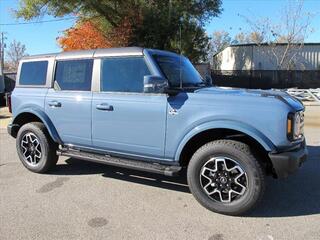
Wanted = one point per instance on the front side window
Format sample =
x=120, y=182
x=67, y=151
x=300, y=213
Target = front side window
x=179, y=70
x=74, y=75
x=123, y=74
x=33, y=73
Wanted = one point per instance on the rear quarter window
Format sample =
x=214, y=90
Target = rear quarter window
x=33, y=73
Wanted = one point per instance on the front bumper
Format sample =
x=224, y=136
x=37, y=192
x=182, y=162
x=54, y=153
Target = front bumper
x=287, y=162
x=13, y=130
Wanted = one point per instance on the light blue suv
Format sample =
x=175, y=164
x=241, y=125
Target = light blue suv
x=150, y=110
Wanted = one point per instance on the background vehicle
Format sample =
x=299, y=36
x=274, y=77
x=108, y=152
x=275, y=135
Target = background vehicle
x=150, y=110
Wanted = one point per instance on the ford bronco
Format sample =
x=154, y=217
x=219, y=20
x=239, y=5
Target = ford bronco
x=150, y=110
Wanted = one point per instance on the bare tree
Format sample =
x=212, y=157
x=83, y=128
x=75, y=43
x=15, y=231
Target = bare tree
x=251, y=37
x=256, y=37
x=295, y=28
x=290, y=32
x=16, y=51
x=240, y=38
x=220, y=40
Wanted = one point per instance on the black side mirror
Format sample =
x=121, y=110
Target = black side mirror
x=154, y=84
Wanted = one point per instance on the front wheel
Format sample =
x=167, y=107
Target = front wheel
x=35, y=148
x=225, y=177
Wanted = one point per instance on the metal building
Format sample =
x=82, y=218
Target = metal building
x=268, y=66
x=268, y=57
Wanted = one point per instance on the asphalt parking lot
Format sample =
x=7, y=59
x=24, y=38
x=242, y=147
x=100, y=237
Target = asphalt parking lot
x=81, y=200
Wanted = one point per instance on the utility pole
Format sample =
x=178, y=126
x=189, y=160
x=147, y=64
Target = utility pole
x=2, y=46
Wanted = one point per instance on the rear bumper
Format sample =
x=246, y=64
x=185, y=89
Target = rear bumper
x=288, y=162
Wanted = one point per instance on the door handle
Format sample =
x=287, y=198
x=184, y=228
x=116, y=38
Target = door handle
x=104, y=107
x=54, y=104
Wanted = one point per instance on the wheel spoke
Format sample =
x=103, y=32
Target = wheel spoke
x=210, y=173
x=234, y=168
x=220, y=195
x=206, y=189
x=35, y=140
x=237, y=182
x=29, y=138
x=224, y=200
x=29, y=158
x=24, y=149
x=223, y=161
x=215, y=191
x=38, y=154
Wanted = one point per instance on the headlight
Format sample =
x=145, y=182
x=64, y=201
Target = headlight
x=295, y=125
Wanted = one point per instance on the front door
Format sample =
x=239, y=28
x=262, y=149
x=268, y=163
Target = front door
x=68, y=105
x=124, y=119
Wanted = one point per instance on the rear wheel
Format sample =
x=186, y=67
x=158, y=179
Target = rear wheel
x=225, y=177
x=35, y=148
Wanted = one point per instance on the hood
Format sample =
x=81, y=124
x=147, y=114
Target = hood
x=294, y=103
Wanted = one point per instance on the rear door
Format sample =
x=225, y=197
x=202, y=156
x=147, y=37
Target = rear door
x=68, y=104
x=124, y=118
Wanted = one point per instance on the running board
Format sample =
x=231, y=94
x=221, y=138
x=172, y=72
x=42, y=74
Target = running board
x=167, y=170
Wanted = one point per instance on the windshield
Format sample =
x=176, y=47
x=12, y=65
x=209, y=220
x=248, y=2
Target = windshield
x=176, y=67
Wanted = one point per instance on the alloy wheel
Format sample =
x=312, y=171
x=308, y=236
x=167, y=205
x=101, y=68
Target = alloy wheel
x=223, y=179
x=31, y=149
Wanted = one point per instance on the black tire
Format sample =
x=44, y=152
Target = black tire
x=254, y=177
x=48, y=157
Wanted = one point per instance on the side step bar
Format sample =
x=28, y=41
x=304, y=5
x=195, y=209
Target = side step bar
x=167, y=170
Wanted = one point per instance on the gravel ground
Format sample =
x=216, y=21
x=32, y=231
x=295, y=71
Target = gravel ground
x=81, y=200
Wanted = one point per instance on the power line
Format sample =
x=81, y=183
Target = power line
x=45, y=21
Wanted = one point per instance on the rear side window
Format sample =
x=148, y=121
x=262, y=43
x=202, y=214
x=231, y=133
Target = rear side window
x=74, y=74
x=123, y=74
x=33, y=73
